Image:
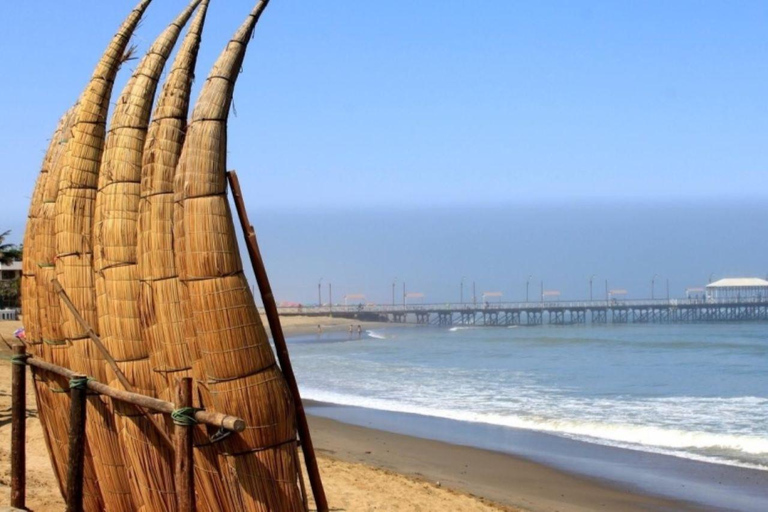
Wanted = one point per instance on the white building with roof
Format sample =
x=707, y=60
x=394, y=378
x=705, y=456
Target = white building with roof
x=11, y=271
x=738, y=289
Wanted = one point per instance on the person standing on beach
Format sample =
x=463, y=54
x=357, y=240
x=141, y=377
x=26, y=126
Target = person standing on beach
x=319, y=329
x=350, y=331
x=359, y=331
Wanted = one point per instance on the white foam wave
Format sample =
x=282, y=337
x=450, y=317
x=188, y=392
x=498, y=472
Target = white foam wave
x=670, y=441
x=375, y=335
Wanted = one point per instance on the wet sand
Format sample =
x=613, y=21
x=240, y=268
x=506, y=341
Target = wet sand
x=501, y=478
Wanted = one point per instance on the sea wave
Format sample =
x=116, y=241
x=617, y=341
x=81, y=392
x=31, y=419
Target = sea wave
x=375, y=335
x=743, y=450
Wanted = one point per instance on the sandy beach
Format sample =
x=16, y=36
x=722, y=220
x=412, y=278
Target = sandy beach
x=364, y=468
x=351, y=485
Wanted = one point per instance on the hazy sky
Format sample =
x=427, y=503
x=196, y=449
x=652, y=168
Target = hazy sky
x=348, y=105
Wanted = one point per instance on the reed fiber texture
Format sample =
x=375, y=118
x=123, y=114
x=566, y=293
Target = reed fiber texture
x=166, y=325
x=51, y=392
x=239, y=365
x=74, y=210
x=41, y=314
x=116, y=270
x=162, y=320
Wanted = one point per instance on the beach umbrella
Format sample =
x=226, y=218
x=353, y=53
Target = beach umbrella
x=261, y=463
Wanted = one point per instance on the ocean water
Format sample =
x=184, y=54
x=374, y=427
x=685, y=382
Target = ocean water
x=691, y=391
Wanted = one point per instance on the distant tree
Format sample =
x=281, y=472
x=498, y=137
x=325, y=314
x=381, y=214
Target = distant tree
x=10, y=288
x=8, y=252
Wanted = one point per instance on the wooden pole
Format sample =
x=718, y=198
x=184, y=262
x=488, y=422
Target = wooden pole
x=182, y=433
x=18, y=427
x=78, y=392
x=273, y=317
x=213, y=418
x=110, y=360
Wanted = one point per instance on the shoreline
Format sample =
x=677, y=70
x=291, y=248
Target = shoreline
x=500, y=478
x=641, y=478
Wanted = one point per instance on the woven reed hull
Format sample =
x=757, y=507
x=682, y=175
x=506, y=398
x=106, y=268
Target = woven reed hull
x=236, y=358
x=268, y=479
x=115, y=263
x=31, y=314
x=164, y=142
x=117, y=289
x=162, y=321
x=265, y=400
x=212, y=489
x=74, y=212
x=109, y=464
x=29, y=304
x=52, y=415
x=155, y=248
x=53, y=397
x=150, y=461
x=208, y=462
x=230, y=336
x=46, y=410
x=208, y=223
x=115, y=225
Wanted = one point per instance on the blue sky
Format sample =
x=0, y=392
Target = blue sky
x=352, y=105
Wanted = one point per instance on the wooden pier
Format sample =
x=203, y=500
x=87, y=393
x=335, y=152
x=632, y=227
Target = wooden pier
x=658, y=311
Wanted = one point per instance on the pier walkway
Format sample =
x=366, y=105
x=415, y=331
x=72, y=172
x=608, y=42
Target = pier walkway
x=660, y=311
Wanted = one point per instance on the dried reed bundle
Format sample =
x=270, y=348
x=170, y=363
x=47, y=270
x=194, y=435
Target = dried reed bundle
x=73, y=264
x=31, y=307
x=160, y=299
x=52, y=390
x=116, y=271
x=164, y=320
x=53, y=398
x=261, y=464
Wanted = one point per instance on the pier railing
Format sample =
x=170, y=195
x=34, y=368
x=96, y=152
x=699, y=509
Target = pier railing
x=520, y=306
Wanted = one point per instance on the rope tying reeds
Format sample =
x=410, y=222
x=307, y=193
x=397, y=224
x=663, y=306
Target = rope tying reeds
x=20, y=359
x=79, y=382
x=184, y=416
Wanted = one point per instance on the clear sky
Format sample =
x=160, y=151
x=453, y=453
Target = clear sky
x=348, y=105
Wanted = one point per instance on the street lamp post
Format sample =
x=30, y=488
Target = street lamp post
x=461, y=292
x=527, y=286
x=394, y=282
x=542, y=290
x=319, y=293
x=653, y=286
x=474, y=294
x=330, y=297
x=590, y=286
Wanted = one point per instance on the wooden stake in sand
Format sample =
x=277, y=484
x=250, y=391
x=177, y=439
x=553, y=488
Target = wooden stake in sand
x=184, y=420
x=270, y=306
x=78, y=387
x=18, y=426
